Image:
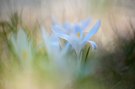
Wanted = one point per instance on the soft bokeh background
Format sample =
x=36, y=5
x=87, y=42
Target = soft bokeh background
x=42, y=11
x=114, y=66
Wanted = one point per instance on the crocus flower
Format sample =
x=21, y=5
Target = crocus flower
x=69, y=28
x=21, y=45
x=51, y=42
x=75, y=38
x=77, y=42
x=52, y=45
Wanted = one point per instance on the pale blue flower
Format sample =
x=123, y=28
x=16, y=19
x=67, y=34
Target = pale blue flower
x=55, y=52
x=51, y=42
x=75, y=38
x=70, y=33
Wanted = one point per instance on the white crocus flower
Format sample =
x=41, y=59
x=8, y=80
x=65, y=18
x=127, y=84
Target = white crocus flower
x=22, y=46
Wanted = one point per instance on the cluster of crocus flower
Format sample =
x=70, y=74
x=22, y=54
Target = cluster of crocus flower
x=64, y=40
x=73, y=34
x=73, y=37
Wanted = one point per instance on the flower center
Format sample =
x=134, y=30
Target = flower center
x=78, y=34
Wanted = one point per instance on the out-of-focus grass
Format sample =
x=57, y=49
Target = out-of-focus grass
x=117, y=67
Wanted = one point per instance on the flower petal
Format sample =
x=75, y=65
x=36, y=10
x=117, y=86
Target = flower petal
x=92, y=32
x=54, y=41
x=66, y=48
x=77, y=28
x=85, y=24
x=67, y=26
x=93, y=44
x=73, y=41
x=51, y=42
x=58, y=29
x=22, y=40
x=63, y=36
